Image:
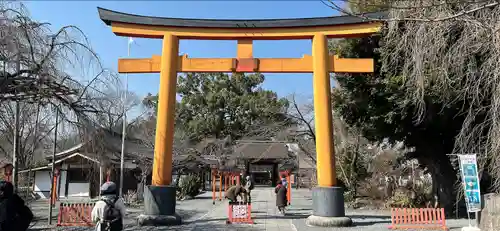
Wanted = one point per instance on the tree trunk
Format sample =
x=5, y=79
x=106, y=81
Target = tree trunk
x=444, y=178
x=354, y=170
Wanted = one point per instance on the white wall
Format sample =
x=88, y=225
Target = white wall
x=129, y=165
x=78, y=190
x=42, y=184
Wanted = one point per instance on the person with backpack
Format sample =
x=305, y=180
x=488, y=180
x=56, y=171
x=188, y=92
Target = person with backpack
x=14, y=214
x=108, y=213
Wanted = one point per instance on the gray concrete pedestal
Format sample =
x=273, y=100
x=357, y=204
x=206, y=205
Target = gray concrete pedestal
x=328, y=208
x=159, y=206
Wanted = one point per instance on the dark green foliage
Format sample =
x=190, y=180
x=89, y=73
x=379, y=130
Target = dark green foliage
x=378, y=105
x=220, y=105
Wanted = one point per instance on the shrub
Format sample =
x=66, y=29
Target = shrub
x=349, y=196
x=131, y=198
x=401, y=198
x=190, y=186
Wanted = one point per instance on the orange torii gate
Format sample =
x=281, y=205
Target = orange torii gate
x=160, y=197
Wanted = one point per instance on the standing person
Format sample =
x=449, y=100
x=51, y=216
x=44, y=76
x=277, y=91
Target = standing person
x=14, y=214
x=281, y=200
x=108, y=213
x=249, y=185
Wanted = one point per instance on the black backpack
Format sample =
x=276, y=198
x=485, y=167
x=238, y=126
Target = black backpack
x=112, y=217
x=24, y=218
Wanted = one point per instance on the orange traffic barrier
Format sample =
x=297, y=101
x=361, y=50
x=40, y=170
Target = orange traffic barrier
x=75, y=214
x=239, y=212
x=418, y=218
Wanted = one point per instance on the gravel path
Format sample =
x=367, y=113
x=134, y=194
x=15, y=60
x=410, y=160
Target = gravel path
x=200, y=214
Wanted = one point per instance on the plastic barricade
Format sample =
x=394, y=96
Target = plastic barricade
x=418, y=218
x=239, y=212
x=75, y=214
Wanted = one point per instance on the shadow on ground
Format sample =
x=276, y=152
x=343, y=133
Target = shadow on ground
x=201, y=227
x=299, y=209
x=202, y=197
x=369, y=217
x=281, y=217
x=187, y=214
x=256, y=219
x=358, y=220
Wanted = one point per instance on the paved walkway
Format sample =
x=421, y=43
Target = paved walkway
x=200, y=215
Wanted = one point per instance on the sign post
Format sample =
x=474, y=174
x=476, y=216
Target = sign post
x=470, y=179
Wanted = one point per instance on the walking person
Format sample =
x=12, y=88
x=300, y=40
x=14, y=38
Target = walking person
x=14, y=214
x=281, y=200
x=108, y=213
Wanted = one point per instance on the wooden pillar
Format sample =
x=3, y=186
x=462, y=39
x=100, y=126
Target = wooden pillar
x=289, y=188
x=53, y=196
x=162, y=164
x=101, y=177
x=225, y=182
x=204, y=180
x=325, y=153
x=108, y=175
x=220, y=186
x=213, y=186
x=275, y=176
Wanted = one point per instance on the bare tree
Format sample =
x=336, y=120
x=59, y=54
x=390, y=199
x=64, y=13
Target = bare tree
x=34, y=127
x=350, y=147
x=45, y=71
x=51, y=68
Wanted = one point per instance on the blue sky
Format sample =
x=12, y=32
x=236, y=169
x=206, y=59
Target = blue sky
x=111, y=47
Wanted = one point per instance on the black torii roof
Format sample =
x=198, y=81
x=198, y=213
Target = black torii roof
x=109, y=16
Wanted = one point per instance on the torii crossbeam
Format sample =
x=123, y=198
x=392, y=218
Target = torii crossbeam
x=328, y=203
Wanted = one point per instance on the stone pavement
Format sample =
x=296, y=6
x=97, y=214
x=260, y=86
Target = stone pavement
x=199, y=214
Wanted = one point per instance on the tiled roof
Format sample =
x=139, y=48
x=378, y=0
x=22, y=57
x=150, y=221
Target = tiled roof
x=260, y=151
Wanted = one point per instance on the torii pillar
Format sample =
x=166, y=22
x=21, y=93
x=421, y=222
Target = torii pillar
x=328, y=199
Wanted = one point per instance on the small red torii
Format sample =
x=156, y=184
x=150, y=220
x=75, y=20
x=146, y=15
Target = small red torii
x=231, y=177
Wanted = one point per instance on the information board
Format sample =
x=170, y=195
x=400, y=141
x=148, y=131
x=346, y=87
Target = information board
x=239, y=211
x=470, y=178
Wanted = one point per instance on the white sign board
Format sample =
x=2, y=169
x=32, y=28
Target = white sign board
x=239, y=211
x=470, y=178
